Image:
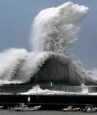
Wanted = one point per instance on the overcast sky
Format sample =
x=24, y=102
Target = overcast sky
x=16, y=18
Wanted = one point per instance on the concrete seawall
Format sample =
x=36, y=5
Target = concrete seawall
x=49, y=99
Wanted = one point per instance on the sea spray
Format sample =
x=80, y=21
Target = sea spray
x=55, y=29
x=9, y=62
x=32, y=64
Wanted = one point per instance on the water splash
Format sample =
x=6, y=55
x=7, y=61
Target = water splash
x=55, y=29
x=84, y=89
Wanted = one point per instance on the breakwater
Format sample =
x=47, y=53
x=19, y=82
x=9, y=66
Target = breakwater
x=49, y=99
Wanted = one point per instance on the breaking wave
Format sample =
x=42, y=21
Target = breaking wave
x=54, y=30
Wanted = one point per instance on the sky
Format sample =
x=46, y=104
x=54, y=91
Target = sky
x=16, y=17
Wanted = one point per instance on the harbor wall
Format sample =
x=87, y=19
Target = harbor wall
x=49, y=99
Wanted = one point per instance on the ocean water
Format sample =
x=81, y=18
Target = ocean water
x=54, y=30
x=6, y=112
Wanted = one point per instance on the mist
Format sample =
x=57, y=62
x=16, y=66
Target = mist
x=54, y=31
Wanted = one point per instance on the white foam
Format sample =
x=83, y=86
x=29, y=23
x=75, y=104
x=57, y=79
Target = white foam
x=10, y=61
x=38, y=91
x=55, y=29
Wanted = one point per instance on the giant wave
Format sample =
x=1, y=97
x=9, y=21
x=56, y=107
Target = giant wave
x=54, y=31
